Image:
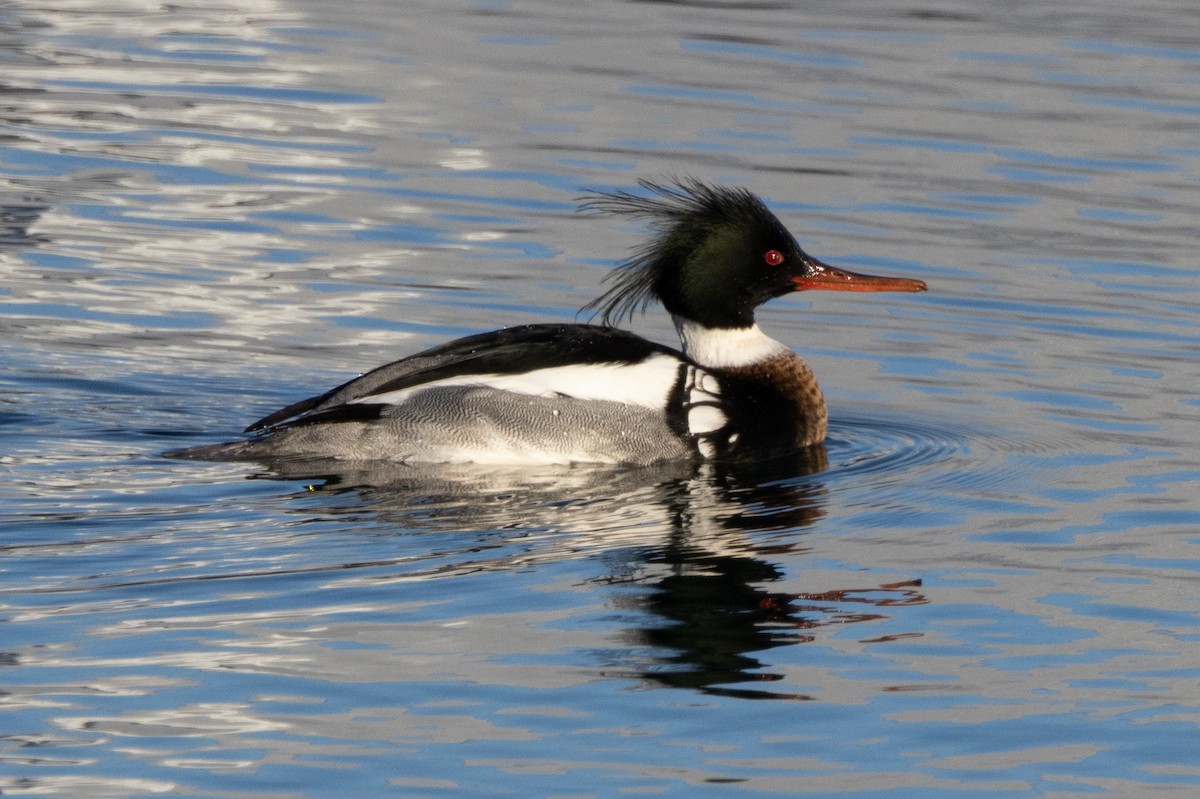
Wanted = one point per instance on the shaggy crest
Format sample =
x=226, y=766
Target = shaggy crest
x=679, y=211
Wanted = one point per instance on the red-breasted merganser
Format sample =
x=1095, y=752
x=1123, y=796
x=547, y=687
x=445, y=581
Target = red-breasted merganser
x=561, y=393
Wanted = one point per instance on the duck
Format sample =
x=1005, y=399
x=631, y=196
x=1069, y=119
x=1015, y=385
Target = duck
x=591, y=392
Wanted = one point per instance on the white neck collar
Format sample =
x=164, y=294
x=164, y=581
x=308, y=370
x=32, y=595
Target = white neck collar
x=726, y=347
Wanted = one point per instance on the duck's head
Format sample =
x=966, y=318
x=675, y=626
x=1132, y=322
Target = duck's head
x=716, y=255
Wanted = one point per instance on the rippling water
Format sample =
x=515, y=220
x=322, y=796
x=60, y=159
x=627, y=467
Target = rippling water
x=987, y=587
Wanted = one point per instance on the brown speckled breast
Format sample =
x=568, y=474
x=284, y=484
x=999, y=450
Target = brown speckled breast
x=773, y=407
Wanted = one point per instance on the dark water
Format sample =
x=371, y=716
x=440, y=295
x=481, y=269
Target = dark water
x=990, y=589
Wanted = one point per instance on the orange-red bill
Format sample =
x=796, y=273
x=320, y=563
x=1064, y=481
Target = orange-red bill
x=825, y=278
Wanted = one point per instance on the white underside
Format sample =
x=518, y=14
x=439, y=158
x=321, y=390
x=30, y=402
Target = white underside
x=728, y=347
x=645, y=384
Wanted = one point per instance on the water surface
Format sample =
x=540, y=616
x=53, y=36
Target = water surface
x=987, y=588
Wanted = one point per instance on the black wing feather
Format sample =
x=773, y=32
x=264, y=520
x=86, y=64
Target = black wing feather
x=511, y=351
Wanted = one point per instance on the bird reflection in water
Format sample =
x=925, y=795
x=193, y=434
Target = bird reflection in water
x=690, y=549
x=712, y=613
x=709, y=607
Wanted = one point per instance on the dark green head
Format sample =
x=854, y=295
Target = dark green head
x=717, y=254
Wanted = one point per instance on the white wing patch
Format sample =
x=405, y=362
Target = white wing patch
x=704, y=419
x=647, y=383
x=702, y=402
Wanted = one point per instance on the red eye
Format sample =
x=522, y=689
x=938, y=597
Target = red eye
x=773, y=257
